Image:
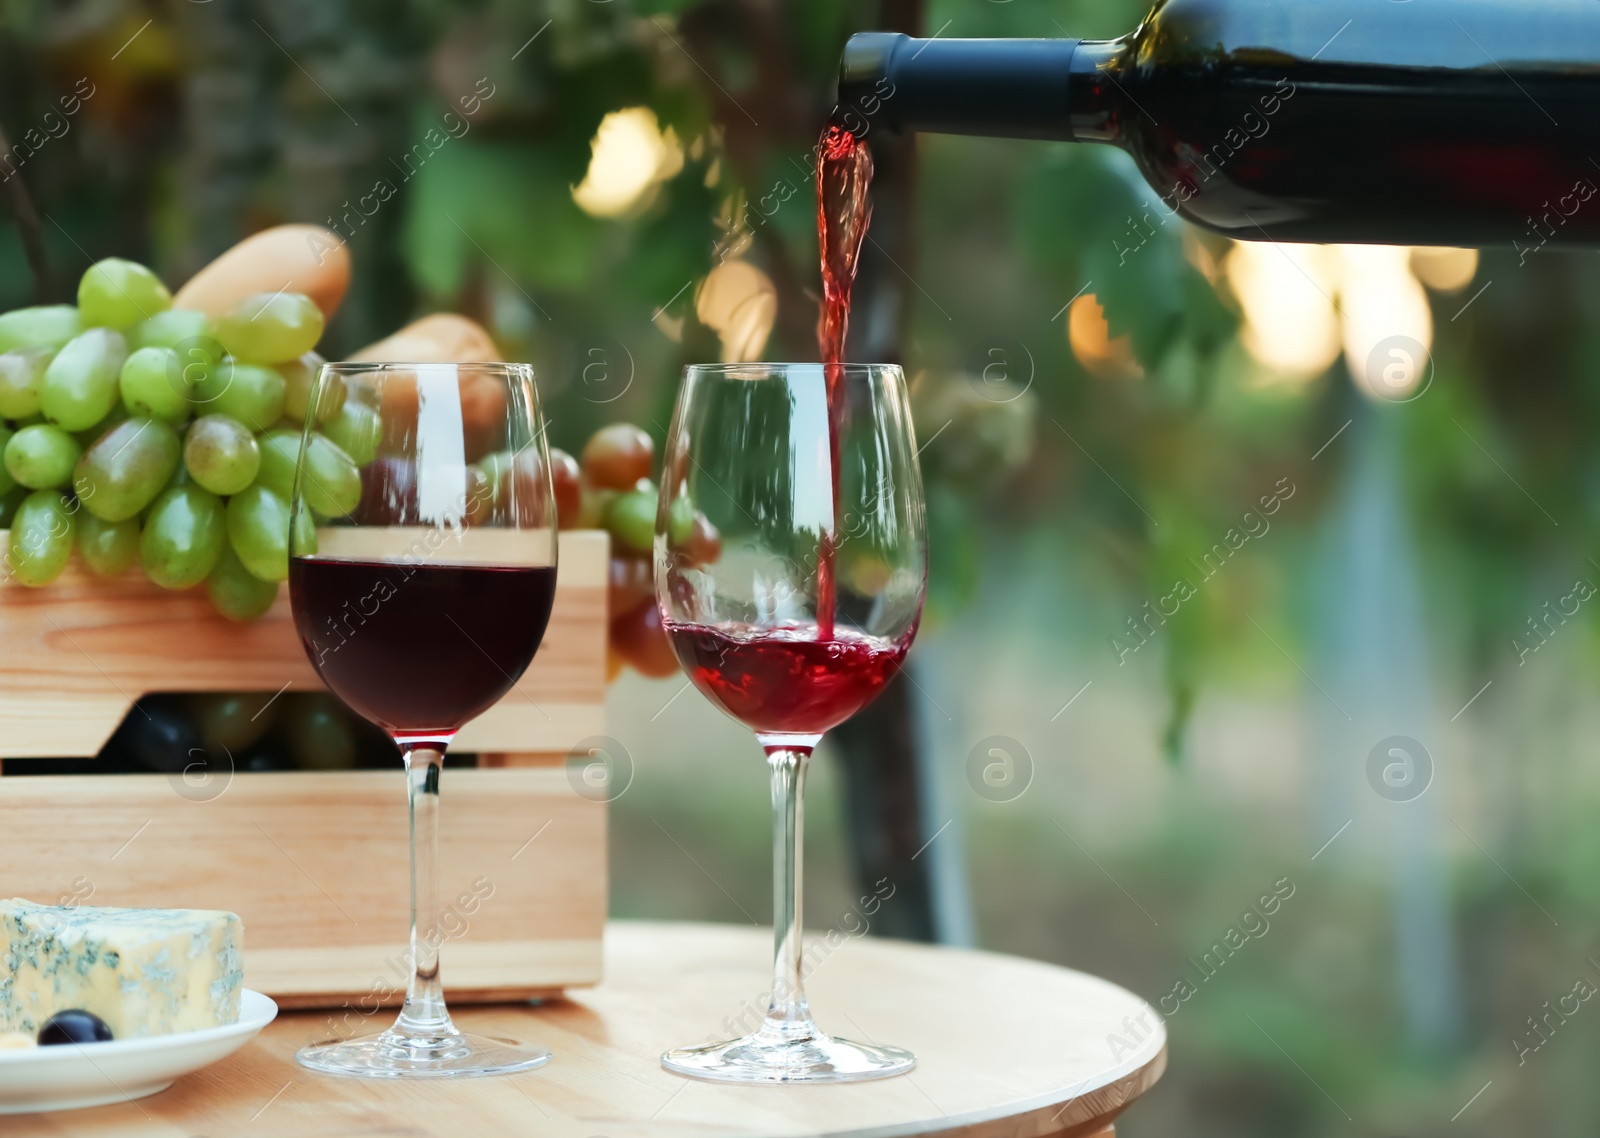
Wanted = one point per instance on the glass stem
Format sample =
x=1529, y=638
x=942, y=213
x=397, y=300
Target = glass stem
x=424, y=1014
x=788, y=1016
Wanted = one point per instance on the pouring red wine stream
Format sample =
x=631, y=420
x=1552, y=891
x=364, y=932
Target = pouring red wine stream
x=844, y=171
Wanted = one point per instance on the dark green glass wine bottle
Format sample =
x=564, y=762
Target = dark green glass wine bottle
x=1418, y=122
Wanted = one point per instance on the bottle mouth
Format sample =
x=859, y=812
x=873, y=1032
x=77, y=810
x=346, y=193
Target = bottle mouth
x=1017, y=88
x=866, y=56
x=864, y=70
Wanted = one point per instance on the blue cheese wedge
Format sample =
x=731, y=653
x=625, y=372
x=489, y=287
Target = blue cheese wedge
x=143, y=971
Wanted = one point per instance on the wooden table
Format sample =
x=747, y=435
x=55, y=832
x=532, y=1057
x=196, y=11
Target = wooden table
x=1005, y=1047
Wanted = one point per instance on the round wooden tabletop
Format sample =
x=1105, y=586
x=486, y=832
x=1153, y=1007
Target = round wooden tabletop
x=1004, y=1046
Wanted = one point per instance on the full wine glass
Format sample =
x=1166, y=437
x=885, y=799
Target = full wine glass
x=810, y=473
x=422, y=571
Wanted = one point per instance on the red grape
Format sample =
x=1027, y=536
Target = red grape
x=616, y=457
x=483, y=412
x=569, y=489
x=388, y=493
x=523, y=476
x=631, y=583
x=640, y=639
x=705, y=543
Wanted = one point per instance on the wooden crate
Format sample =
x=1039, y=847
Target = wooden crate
x=314, y=862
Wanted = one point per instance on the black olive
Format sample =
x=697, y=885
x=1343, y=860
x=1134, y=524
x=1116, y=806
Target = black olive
x=74, y=1026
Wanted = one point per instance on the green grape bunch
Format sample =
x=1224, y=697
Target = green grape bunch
x=137, y=433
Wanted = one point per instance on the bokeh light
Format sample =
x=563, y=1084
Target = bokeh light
x=1444, y=269
x=1388, y=326
x=739, y=303
x=1287, y=293
x=1094, y=346
x=631, y=157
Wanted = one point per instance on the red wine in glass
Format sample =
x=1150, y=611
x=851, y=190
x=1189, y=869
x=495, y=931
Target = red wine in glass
x=367, y=625
x=788, y=679
x=421, y=603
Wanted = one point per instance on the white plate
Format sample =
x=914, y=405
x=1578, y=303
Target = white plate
x=67, y=1076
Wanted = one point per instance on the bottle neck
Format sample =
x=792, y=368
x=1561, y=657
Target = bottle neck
x=1002, y=88
x=1099, y=99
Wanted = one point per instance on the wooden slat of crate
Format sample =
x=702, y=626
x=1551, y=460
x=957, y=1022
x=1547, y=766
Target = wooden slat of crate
x=75, y=655
x=315, y=864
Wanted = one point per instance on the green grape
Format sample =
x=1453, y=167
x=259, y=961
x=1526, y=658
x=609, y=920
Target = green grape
x=488, y=499
x=199, y=357
x=9, y=501
x=301, y=377
x=680, y=521
x=80, y=385
x=108, y=548
x=332, y=485
x=221, y=454
x=87, y=438
x=7, y=483
x=258, y=527
x=280, y=454
x=237, y=594
x=356, y=428
x=232, y=719
x=479, y=501
x=496, y=465
x=319, y=734
x=118, y=294
x=631, y=518
x=184, y=534
x=48, y=326
x=41, y=538
x=253, y=395
x=41, y=457
x=21, y=378
x=171, y=329
x=154, y=385
x=271, y=328
x=126, y=468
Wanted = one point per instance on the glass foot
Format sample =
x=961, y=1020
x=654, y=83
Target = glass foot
x=814, y=1058
x=392, y=1055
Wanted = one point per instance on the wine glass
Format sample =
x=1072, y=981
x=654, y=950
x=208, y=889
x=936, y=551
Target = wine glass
x=810, y=472
x=421, y=574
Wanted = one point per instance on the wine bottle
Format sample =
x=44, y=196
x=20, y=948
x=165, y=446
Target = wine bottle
x=1415, y=122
